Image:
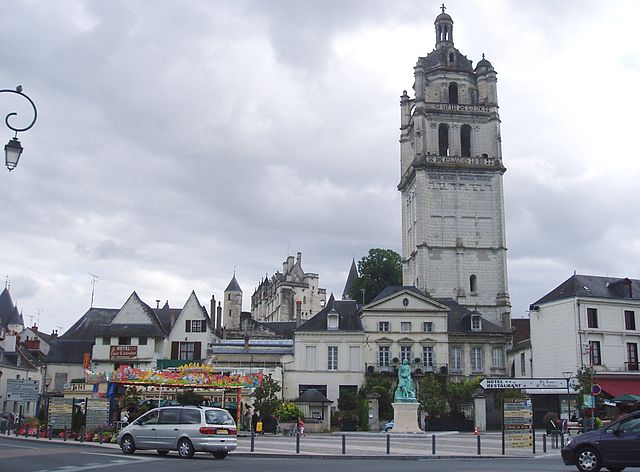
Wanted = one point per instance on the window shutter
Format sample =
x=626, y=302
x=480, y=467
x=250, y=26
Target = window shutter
x=187, y=326
x=175, y=349
x=203, y=326
x=196, y=350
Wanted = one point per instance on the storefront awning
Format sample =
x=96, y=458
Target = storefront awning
x=618, y=387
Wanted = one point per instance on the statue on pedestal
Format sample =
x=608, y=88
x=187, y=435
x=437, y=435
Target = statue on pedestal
x=405, y=391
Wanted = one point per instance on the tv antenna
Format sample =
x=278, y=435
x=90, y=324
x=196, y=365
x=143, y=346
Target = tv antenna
x=94, y=279
x=38, y=311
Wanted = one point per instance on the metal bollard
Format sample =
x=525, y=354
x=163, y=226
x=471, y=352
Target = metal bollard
x=562, y=440
x=297, y=443
x=50, y=432
x=81, y=434
x=253, y=441
x=344, y=443
x=388, y=444
x=64, y=433
x=533, y=436
x=479, y=450
x=100, y=437
x=433, y=444
x=544, y=443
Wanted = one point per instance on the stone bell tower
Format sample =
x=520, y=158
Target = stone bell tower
x=453, y=232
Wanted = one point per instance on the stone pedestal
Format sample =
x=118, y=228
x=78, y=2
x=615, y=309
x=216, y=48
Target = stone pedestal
x=405, y=418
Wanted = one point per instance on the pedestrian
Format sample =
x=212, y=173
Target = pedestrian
x=300, y=426
x=254, y=421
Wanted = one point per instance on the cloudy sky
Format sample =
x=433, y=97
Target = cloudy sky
x=177, y=140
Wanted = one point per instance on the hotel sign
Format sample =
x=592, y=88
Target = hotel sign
x=123, y=352
x=537, y=384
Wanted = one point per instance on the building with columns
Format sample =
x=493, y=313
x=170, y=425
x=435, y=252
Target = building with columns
x=453, y=230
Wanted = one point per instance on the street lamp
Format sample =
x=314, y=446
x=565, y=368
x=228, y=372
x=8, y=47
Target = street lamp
x=567, y=376
x=13, y=149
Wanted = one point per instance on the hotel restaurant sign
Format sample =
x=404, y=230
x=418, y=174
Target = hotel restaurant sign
x=123, y=352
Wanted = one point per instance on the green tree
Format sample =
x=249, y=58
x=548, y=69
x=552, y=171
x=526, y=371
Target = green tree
x=266, y=399
x=431, y=395
x=461, y=392
x=288, y=411
x=189, y=397
x=379, y=269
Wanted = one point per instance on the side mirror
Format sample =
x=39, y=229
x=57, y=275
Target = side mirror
x=617, y=432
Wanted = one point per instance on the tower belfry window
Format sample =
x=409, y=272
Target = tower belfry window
x=453, y=93
x=465, y=140
x=443, y=139
x=473, y=283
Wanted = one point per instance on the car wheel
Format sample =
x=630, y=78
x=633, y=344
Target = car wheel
x=185, y=449
x=220, y=454
x=163, y=452
x=587, y=460
x=127, y=445
x=615, y=469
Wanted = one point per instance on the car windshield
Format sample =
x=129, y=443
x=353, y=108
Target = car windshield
x=219, y=417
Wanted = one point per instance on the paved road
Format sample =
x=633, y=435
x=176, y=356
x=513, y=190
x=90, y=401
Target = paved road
x=41, y=456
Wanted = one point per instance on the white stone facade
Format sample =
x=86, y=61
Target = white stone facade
x=561, y=336
x=453, y=230
x=290, y=295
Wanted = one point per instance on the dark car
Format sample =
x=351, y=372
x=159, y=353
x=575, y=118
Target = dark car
x=615, y=447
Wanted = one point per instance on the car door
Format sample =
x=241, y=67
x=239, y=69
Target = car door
x=168, y=428
x=629, y=437
x=619, y=444
x=144, y=430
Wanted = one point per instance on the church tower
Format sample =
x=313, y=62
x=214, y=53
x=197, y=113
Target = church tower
x=232, y=308
x=453, y=232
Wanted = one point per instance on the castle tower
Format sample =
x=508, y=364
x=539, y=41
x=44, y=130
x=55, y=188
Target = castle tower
x=453, y=232
x=232, y=304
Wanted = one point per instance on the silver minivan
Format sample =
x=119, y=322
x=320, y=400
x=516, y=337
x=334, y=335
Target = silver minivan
x=186, y=429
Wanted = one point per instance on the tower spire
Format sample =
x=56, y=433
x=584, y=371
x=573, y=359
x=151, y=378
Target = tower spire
x=444, y=27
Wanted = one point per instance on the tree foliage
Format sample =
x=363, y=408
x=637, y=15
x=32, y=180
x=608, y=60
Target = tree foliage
x=189, y=397
x=288, y=411
x=431, y=395
x=379, y=269
x=266, y=399
x=461, y=392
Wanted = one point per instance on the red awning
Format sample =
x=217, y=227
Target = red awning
x=618, y=387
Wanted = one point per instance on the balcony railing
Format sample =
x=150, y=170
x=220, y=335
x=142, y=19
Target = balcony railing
x=632, y=365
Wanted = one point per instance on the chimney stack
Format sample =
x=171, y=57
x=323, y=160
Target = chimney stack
x=213, y=312
x=219, y=316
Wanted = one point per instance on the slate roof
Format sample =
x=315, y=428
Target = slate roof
x=390, y=290
x=281, y=328
x=459, y=319
x=68, y=351
x=439, y=59
x=312, y=396
x=593, y=286
x=9, y=313
x=86, y=327
x=351, y=278
x=233, y=285
x=130, y=329
x=348, y=312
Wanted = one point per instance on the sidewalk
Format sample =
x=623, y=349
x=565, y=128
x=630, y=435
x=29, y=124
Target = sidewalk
x=449, y=444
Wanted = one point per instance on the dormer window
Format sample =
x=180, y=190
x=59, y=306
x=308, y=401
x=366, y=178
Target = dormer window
x=476, y=323
x=333, y=320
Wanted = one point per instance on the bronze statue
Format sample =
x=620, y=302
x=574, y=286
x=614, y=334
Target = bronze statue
x=405, y=391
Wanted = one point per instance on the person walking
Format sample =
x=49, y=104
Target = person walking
x=300, y=426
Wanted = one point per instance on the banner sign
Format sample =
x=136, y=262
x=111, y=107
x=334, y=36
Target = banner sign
x=190, y=375
x=20, y=390
x=60, y=412
x=517, y=423
x=123, y=352
x=97, y=412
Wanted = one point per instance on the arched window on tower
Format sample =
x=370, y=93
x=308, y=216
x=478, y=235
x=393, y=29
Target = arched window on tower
x=443, y=139
x=453, y=93
x=450, y=57
x=465, y=140
x=473, y=283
